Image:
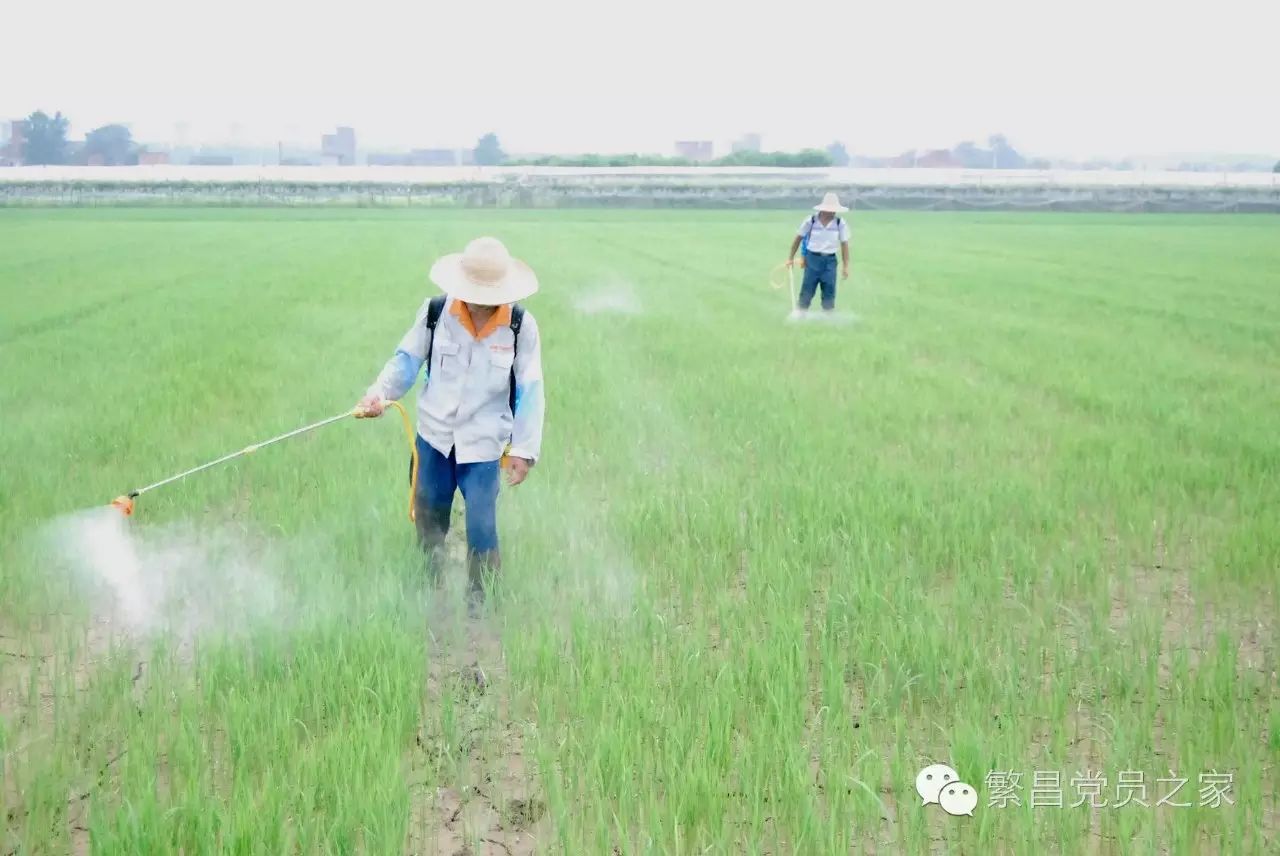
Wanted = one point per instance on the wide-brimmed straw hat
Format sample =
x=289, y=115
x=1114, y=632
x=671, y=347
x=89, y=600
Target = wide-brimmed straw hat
x=830, y=203
x=485, y=274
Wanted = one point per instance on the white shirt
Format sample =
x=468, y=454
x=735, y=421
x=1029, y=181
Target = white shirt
x=824, y=239
x=464, y=404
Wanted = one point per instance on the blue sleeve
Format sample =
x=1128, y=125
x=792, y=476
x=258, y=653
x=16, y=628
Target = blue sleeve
x=398, y=375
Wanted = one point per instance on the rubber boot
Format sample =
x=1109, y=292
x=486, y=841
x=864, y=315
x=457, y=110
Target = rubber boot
x=478, y=564
x=432, y=525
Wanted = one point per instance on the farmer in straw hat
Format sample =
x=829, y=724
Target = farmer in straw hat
x=822, y=233
x=482, y=391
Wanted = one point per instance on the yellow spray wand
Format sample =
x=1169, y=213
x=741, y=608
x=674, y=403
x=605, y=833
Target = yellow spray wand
x=125, y=503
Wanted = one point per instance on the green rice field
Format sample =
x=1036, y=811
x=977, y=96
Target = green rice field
x=1016, y=511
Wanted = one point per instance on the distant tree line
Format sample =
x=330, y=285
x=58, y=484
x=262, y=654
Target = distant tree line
x=44, y=142
x=44, y=139
x=806, y=158
x=999, y=154
x=590, y=160
x=488, y=151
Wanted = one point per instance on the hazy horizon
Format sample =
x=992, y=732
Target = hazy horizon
x=1080, y=80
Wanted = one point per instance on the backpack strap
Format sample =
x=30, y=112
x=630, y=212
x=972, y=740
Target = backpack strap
x=434, y=308
x=517, y=318
x=813, y=221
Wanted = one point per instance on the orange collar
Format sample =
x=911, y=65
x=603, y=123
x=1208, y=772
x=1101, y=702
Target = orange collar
x=500, y=318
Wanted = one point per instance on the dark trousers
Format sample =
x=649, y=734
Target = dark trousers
x=818, y=270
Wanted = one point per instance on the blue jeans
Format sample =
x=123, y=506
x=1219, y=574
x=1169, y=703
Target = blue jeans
x=818, y=269
x=440, y=477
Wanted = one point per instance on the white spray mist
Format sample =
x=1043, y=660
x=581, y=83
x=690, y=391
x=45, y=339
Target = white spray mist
x=615, y=297
x=183, y=578
x=834, y=317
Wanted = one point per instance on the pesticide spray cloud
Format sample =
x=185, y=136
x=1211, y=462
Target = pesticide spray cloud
x=615, y=297
x=832, y=317
x=179, y=578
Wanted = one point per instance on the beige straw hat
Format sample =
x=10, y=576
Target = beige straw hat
x=484, y=274
x=830, y=203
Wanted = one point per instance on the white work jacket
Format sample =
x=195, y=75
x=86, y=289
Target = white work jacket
x=464, y=404
x=824, y=239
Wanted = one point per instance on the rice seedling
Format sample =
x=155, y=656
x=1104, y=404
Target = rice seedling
x=1017, y=518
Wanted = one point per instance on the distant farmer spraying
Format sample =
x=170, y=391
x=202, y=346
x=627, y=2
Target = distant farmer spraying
x=821, y=235
x=481, y=405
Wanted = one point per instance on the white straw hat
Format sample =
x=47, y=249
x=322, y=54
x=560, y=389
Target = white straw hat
x=830, y=203
x=484, y=274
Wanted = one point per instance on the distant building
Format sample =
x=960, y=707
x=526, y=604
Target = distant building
x=747, y=143
x=933, y=158
x=421, y=157
x=339, y=148
x=212, y=160
x=698, y=151
x=146, y=158
x=939, y=159
x=13, y=140
x=868, y=162
x=434, y=157
x=387, y=159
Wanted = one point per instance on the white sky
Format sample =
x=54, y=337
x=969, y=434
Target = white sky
x=1084, y=77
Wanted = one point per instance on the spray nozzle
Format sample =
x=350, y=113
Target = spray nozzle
x=123, y=504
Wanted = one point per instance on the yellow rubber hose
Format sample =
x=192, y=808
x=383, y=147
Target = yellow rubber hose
x=413, y=451
x=776, y=280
